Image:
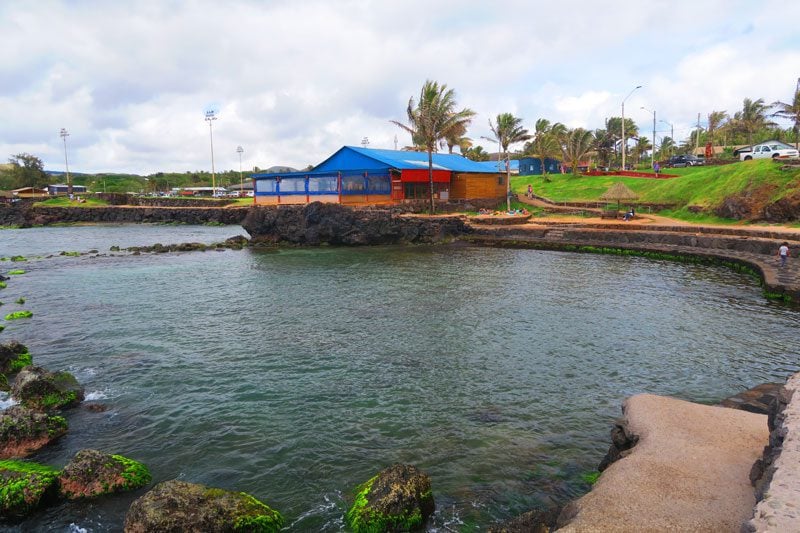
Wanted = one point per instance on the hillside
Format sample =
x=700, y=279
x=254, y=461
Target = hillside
x=752, y=190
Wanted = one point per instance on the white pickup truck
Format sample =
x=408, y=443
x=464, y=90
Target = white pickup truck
x=765, y=151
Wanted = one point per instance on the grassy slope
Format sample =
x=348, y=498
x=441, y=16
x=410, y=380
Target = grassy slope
x=698, y=186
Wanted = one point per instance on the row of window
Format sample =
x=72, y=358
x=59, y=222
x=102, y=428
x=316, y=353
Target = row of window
x=325, y=185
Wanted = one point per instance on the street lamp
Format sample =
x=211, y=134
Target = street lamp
x=211, y=116
x=64, y=134
x=623, y=124
x=240, y=150
x=671, y=134
x=499, y=149
x=653, y=162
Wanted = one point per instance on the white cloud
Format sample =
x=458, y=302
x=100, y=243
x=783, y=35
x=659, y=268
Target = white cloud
x=296, y=80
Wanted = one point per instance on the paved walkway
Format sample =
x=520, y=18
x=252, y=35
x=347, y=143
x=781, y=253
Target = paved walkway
x=688, y=472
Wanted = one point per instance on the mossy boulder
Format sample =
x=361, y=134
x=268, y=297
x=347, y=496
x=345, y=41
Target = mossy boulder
x=399, y=498
x=92, y=473
x=23, y=487
x=4, y=386
x=180, y=506
x=23, y=431
x=14, y=357
x=40, y=389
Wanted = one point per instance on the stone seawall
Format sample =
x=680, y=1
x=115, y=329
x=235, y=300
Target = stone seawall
x=26, y=216
x=778, y=487
x=319, y=223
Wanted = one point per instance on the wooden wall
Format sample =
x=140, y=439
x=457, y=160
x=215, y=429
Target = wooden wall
x=471, y=186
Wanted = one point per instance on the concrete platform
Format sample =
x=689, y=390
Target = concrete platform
x=689, y=471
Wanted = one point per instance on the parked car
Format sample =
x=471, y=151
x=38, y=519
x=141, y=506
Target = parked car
x=766, y=151
x=680, y=161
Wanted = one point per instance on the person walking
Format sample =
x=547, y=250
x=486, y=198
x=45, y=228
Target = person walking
x=657, y=168
x=783, y=253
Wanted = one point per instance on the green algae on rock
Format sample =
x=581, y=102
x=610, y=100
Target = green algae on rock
x=23, y=431
x=16, y=272
x=399, y=498
x=19, y=314
x=180, y=506
x=14, y=357
x=20, y=300
x=39, y=389
x=92, y=473
x=24, y=486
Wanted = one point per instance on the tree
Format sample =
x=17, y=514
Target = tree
x=433, y=118
x=667, y=146
x=508, y=131
x=27, y=171
x=544, y=143
x=792, y=112
x=752, y=117
x=604, y=146
x=477, y=154
x=715, y=120
x=614, y=129
x=576, y=143
x=464, y=144
x=640, y=148
x=454, y=137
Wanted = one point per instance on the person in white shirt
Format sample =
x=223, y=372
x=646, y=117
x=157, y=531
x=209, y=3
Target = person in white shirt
x=783, y=253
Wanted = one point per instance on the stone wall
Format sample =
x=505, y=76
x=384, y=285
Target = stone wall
x=319, y=223
x=776, y=476
x=26, y=216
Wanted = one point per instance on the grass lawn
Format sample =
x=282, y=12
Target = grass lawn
x=705, y=187
x=64, y=201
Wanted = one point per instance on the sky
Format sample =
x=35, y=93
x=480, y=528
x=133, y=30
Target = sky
x=293, y=81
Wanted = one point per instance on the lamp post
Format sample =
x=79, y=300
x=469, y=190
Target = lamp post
x=623, y=124
x=240, y=150
x=653, y=162
x=64, y=134
x=210, y=117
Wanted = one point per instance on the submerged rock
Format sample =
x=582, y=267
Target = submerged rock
x=179, y=506
x=399, y=498
x=23, y=431
x=93, y=473
x=23, y=487
x=14, y=357
x=530, y=522
x=37, y=388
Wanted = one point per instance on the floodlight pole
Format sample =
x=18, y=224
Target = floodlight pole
x=211, y=116
x=239, y=150
x=623, y=124
x=64, y=134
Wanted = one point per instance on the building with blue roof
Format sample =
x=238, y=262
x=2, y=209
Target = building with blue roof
x=355, y=175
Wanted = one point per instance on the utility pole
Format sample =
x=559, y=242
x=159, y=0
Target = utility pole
x=623, y=125
x=239, y=150
x=653, y=163
x=697, y=135
x=210, y=116
x=64, y=134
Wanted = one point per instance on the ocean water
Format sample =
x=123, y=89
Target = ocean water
x=295, y=375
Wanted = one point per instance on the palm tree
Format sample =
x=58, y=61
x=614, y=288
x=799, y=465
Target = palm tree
x=508, y=131
x=576, y=143
x=642, y=145
x=792, y=112
x=477, y=154
x=667, y=146
x=464, y=144
x=433, y=118
x=454, y=136
x=715, y=120
x=544, y=143
x=752, y=117
x=604, y=145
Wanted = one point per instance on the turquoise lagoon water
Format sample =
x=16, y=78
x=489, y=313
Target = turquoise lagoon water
x=295, y=375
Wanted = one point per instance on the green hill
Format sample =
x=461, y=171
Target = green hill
x=705, y=189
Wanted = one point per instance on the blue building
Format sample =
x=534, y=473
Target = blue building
x=529, y=166
x=355, y=175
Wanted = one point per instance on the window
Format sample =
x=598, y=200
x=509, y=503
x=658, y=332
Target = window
x=293, y=185
x=353, y=184
x=323, y=185
x=266, y=185
x=378, y=185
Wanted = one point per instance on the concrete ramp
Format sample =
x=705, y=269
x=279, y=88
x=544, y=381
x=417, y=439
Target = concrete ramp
x=689, y=471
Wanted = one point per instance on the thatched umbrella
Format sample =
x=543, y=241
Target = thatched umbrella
x=619, y=191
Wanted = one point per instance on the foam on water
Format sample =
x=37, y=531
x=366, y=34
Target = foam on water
x=96, y=395
x=6, y=401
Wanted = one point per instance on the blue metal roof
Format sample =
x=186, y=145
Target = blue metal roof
x=352, y=157
x=499, y=166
